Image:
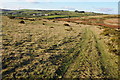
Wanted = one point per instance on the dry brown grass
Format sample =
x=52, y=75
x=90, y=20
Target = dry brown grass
x=33, y=50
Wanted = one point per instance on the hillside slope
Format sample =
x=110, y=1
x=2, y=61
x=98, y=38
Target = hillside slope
x=50, y=49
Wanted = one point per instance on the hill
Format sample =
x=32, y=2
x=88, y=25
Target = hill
x=77, y=47
x=50, y=14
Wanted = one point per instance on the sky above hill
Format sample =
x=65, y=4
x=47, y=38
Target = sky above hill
x=102, y=6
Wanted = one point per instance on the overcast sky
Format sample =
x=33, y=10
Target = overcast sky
x=102, y=6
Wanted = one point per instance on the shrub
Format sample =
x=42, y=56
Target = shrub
x=66, y=25
x=11, y=17
x=22, y=22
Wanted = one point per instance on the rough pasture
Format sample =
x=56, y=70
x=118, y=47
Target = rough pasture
x=52, y=50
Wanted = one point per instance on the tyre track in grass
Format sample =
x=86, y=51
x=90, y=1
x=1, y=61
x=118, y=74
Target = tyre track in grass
x=107, y=60
x=87, y=64
x=68, y=58
x=91, y=62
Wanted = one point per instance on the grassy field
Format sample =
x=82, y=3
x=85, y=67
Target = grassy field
x=60, y=48
x=49, y=14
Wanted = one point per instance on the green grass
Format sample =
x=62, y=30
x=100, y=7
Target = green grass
x=58, y=16
x=61, y=14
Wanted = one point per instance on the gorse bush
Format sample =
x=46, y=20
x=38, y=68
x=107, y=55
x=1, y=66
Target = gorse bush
x=11, y=17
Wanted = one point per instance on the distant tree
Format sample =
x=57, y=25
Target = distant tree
x=76, y=11
x=79, y=11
